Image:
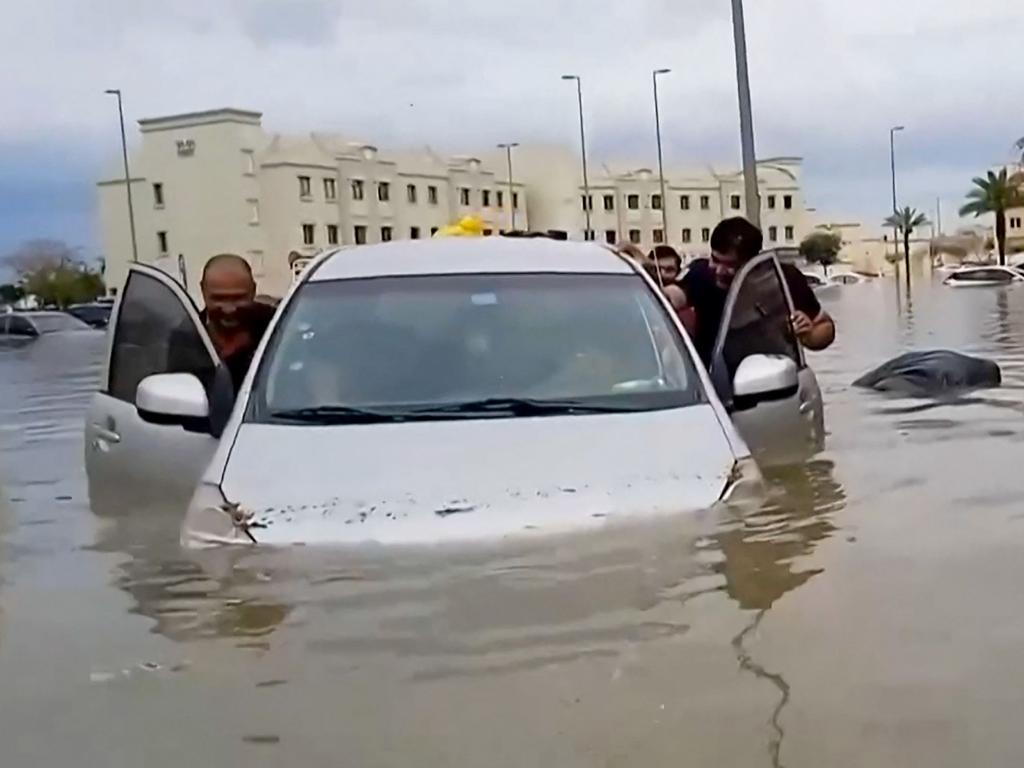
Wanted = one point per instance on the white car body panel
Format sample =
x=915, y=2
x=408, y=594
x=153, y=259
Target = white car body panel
x=422, y=482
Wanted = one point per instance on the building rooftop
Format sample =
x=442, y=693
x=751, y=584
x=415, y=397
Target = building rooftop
x=470, y=255
x=206, y=117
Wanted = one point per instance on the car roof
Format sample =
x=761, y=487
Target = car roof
x=470, y=255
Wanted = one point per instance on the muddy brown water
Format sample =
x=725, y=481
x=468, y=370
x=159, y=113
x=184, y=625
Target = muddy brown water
x=867, y=614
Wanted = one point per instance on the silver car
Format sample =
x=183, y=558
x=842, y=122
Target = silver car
x=444, y=390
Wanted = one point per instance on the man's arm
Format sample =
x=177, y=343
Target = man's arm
x=677, y=298
x=817, y=333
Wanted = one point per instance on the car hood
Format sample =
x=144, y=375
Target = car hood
x=426, y=482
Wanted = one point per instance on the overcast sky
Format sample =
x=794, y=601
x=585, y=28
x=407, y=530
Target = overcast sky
x=829, y=77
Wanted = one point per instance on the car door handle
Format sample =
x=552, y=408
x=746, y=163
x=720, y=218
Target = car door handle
x=105, y=434
x=806, y=407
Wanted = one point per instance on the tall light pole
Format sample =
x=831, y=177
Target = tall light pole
x=127, y=175
x=511, y=193
x=661, y=162
x=746, y=116
x=895, y=209
x=583, y=151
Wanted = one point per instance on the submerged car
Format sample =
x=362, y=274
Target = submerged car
x=447, y=390
x=96, y=314
x=976, y=277
x=34, y=324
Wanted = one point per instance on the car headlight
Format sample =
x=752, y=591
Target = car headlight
x=212, y=520
x=745, y=482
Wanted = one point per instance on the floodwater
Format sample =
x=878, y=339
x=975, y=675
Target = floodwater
x=867, y=614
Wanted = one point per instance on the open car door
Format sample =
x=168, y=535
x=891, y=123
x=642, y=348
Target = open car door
x=759, y=369
x=130, y=462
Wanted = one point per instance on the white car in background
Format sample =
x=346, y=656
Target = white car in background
x=979, y=277
x=449, y=389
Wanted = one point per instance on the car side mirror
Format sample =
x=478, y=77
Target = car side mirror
x=174, y=399
x=761, y=378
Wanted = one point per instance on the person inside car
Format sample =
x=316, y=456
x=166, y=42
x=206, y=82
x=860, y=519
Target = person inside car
x=704, y=287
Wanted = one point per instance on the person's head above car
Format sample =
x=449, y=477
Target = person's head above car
x=229, y=290
x=734, y=242
x=667, y=263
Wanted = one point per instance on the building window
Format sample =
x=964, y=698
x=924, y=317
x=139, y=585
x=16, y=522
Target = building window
x=588, y=234
x=705, y=235
x=332, y=234
x=158, y=195
x=687, y=235
x=633, y=202
x=464, y=195
x=305, y=188
x=656, y=202
x=359, y=231
x=161, y=243
x=771, y=202
x=385, y=234
x=414, y=233
x=358, y=189
x=433, y=231
x=485, y=196
x=432, y=194
x=658, y=236
x=1015, y=222
x=634, y=236
x=500, y=198
x=734, y=202
x=308, y=234
x=515, y=200
x=588, y=202
x=249, y=162
x=611, y=236
x=254, y=212
x=488, y=232
x=789, y=234
x=609, y=202
x=383, y=191
x=787, y=202
x=705, y=203
x=773, y=234
x=330, y=189
x=410, y=193
x=684, y=202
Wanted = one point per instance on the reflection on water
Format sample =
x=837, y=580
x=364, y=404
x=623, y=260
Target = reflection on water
x=863, y=614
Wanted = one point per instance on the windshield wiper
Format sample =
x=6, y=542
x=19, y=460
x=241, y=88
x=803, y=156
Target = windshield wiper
x=517, y=406
x=337, y=414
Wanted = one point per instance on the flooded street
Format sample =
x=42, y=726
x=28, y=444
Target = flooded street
x=865, y=615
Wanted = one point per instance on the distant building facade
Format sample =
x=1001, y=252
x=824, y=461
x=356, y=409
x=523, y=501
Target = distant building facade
x=212, y=182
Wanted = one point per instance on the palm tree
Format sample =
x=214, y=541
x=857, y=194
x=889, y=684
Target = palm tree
x=995, y=194
x=907, y=221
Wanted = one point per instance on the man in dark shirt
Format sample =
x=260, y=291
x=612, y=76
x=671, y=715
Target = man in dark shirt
x=703, y=289
x=233, y=318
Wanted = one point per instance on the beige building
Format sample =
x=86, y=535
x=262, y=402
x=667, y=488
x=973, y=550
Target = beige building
x=212, y=182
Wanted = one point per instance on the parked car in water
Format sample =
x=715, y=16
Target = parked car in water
x=33, y=324
x=849, y=278
x=976, y=277
x=449, y=389
x=96, y=314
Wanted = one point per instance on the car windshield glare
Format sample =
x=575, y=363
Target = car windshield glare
x=472, y=346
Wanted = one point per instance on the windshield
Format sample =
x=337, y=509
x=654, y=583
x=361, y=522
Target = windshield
x=494, y=345
x=982, y=275
x=52, y=322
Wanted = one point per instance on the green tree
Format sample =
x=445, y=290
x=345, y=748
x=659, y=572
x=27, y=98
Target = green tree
x=51, y=271
x=822, y=248
x=10, y=293
x=995, y=194
x=906, y=221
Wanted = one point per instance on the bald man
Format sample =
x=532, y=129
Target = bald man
x=234, y=320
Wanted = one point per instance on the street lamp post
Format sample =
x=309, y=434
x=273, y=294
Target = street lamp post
x=583, y=151
x=895, y=208
x=511, y=194
x=127, y=175
x=661, y=163
x=746, y=116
